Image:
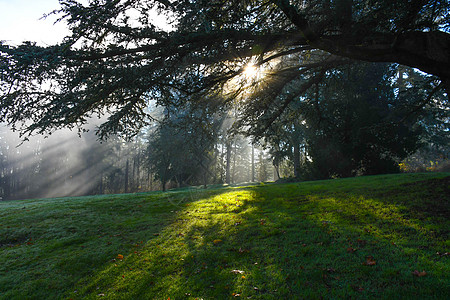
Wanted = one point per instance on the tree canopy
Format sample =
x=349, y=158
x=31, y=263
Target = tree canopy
x=116, y=58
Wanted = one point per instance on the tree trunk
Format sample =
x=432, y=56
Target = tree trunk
x=253, y=163
x=101, y=184
x=233, y=177
x=127, y=166
x=138, y=169
x=228, y=163
x=222, y=155
x=205, y=180
x=262, y=167
x=133, y=175
x=150, y=180
x=296, y=160
x=163, y=184
x=6, y=185
x=276, y=173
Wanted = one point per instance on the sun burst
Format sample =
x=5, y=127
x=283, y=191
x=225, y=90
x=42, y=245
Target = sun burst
x=251, y=71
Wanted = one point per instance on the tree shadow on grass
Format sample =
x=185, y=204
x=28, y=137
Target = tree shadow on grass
x=279, y=242
x=52, y=243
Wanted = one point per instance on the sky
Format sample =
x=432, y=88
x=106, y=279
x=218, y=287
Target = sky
x=20, y=21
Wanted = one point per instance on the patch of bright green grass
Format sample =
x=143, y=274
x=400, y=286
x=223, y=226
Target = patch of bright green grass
x=364, y=238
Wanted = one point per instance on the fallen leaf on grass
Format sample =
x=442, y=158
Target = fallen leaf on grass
x=237, y=272
x=119, y=256
x=217, y=241
x=361, y=243
x=235, y=295
x=419, y=274
x=357, y=288
x=369, y=261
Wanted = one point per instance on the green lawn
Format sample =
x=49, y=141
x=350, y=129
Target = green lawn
x=364, y=238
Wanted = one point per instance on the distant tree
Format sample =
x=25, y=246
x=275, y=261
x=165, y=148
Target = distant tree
x=282, y=141
x=182, y=146
x=356, y=125
x=241, y=168
x=264, y=167
x=165, y=151
x=60, y=166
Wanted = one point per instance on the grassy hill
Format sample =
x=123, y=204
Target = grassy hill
x=368, y=237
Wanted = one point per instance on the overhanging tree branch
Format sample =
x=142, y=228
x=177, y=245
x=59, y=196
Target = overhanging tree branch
x=427, y=51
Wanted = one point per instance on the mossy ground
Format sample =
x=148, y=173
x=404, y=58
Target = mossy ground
x=367, y=237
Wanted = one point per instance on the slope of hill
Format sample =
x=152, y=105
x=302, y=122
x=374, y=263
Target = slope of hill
x=368, y=237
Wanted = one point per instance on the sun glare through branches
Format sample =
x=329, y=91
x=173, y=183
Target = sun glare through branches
x=249, y=77
x=251, y=71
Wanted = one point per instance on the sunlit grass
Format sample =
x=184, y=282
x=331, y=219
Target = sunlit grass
x=290, y=241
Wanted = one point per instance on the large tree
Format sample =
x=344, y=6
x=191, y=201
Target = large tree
x=116, y=58
x=357, y=127
x=357, y=120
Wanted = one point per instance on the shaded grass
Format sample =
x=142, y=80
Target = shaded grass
x=360, y=238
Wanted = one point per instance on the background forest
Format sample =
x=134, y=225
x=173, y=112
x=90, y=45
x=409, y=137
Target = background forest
x=361, y=119
x=183, y=93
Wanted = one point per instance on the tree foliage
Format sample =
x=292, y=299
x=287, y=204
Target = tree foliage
x=362, y=118
x=355, y=127
x=181, y=146
x=116, y=58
